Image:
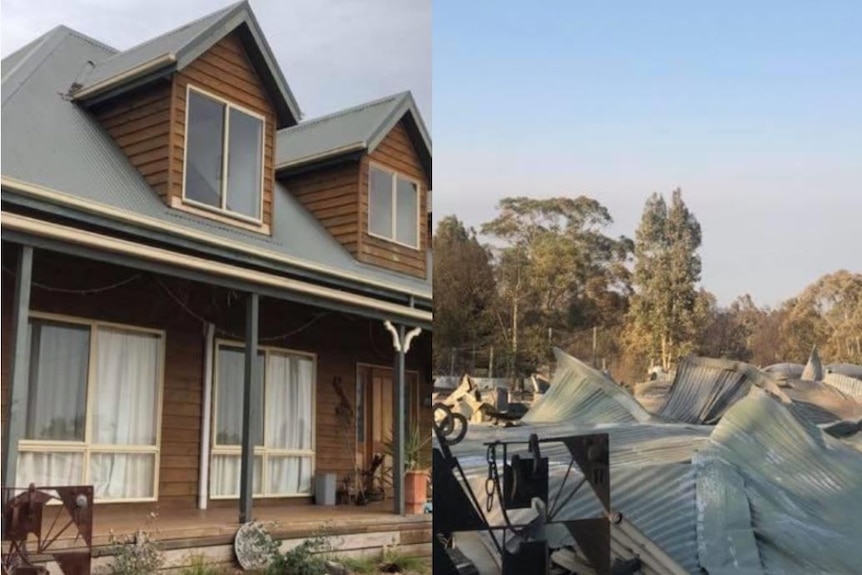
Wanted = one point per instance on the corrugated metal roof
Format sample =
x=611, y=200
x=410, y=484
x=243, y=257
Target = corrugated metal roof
x=850, y=386
x=171, y=42
x=848, y=369
x=779, y=370
x=820, y=402
x=704, y=388
x=581, y=394
x=362, y=127
x=814, y=368
x=184, y=45
x=802, y=485
x=86, y=163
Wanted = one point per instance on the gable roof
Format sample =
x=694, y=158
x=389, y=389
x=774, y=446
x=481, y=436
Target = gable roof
x=58, y=159
x=178, y=48
x=360, y=128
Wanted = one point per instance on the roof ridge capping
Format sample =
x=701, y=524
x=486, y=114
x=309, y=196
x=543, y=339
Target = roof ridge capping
x=176, y=49
x=343, y=112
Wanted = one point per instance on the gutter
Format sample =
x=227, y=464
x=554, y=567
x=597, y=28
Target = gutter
x=102, y=242
x=130, y=217
x=139, y=70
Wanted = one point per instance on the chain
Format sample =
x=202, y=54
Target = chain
x=491, y=482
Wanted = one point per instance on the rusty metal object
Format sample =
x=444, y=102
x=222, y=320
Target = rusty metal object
x=26, y=513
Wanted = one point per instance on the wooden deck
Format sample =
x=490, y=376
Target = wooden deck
x=181, y=534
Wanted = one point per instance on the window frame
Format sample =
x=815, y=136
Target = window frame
x=86, y=448
x=262, y=450
x=395, y=175
x=222, y=209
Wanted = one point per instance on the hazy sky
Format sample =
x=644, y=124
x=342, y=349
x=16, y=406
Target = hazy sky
x=333, y=53
x=754, y=109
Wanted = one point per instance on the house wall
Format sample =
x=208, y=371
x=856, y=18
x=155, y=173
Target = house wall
x=340, y=342
x=395, y=152
x=332, y=195
x=140, y=124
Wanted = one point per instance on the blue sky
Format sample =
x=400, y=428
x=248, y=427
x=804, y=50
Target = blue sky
x=754, y=109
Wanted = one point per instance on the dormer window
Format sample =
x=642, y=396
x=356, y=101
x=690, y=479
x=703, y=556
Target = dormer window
x=393, y=207
x=224, y=156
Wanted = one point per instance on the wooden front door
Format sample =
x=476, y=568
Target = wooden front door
x=374, y=402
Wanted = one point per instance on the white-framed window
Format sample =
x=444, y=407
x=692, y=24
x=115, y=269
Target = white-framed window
x=393, y=206
x=93, y=407
x=283, y=437
x=223, y=165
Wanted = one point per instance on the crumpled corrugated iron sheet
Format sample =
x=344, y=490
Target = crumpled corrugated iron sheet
x=725, y=537
x=814, y=368
x=582, y=394
x=848, y=369
x=821, y=403
x=784, y=370
x=704, y=389
x=687, y=487
x=804, y=487
x=848, y=385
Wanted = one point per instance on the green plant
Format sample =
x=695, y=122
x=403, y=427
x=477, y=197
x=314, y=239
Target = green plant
x=198, y=565
x=415, y=454
x=307, y=558
x=360, y=566
x=396, y=562
x=135, y=554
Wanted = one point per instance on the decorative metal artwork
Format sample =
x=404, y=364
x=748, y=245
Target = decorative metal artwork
x=26, y=541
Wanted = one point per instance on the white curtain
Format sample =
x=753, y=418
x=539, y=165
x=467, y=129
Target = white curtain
x=49, y=469
x=229, y=397
x=224, y=475
x=124, y=412
x=57, y=399
x=289, y=475
x=289, y=421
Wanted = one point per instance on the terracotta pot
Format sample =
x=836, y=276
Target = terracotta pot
x=415, y=492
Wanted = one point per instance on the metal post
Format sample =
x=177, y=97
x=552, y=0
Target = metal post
x=398, y=424
x=17, y=404
x=250, y=408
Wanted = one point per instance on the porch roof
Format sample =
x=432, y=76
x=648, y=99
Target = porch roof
x=57, y=158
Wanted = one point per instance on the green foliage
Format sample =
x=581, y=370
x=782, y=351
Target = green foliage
x=360, y=566
x=666, y=308
x=199, y=565
x=557, y=273
x=136, y=554
x=396, y=562
x=464, y=291
x=307, y=558
x=416, y=452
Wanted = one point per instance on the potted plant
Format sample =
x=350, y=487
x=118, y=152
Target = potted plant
x=416, y=466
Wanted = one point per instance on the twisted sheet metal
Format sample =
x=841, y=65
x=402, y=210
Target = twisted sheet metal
x=582, y=394
x=848, y=385
x=704, y=389
x=804, y=487
x=821, y=403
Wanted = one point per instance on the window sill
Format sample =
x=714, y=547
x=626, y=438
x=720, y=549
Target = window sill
x=396, y=242
x=220, y=216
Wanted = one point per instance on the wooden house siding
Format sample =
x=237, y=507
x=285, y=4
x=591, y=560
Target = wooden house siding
x=140, y=124
x=339, y=343
x=225, y=71
x=331, y=194
x=395, y=152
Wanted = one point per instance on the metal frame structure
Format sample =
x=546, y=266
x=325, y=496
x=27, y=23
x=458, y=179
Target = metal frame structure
x=522, y=484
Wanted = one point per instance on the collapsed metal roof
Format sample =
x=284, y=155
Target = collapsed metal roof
x=763, y=490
